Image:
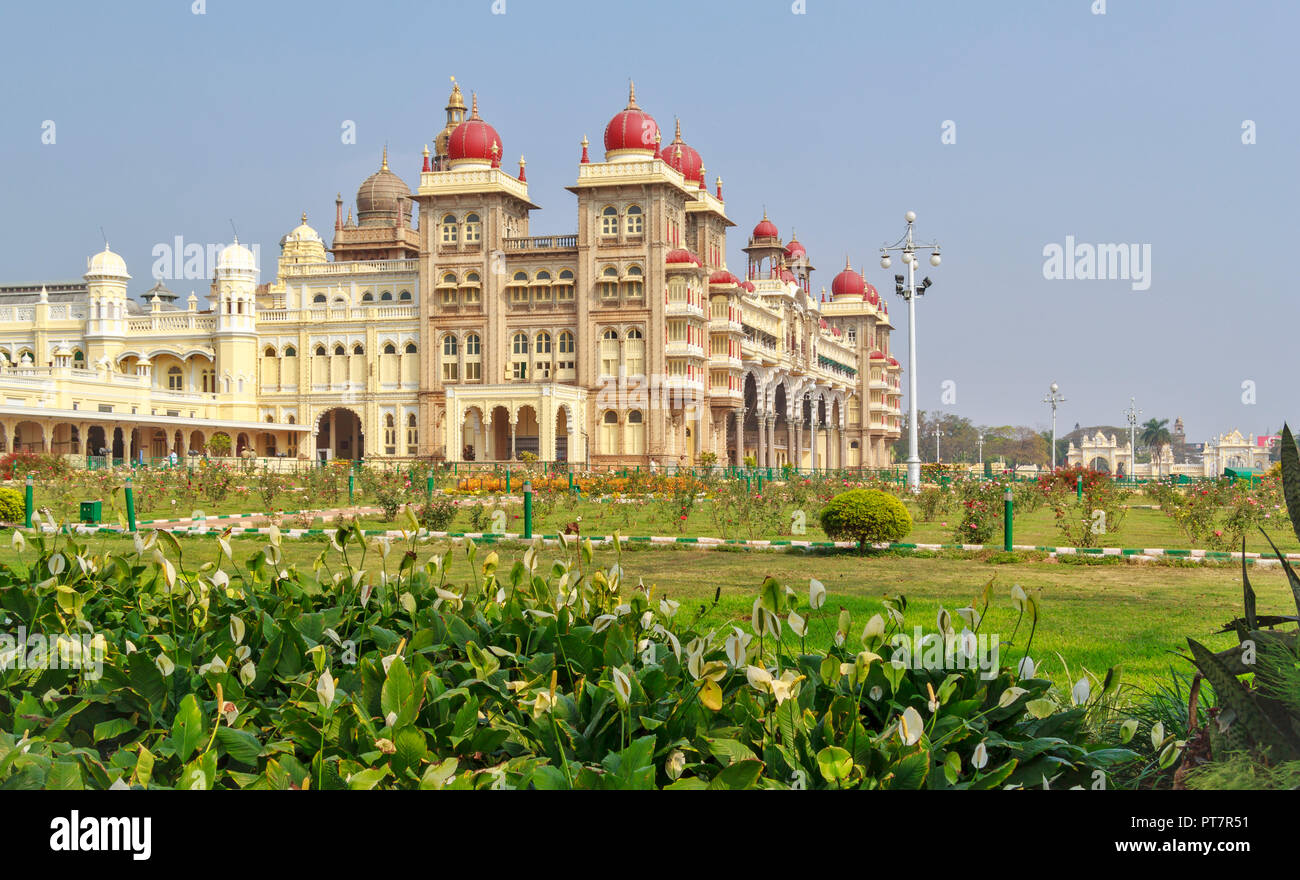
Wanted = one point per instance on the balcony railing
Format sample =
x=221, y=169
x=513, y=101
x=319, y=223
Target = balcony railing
x=542, y=243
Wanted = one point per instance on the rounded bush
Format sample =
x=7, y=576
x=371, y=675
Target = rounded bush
x=867, y=516
x=12, y=508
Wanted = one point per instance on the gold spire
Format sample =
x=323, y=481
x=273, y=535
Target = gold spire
x=455, y=101
x=304, y=218
x=631, y=96
x=473, y=114
x=585, y=142
x=384, y=166
x=678, y=138
x=426, y=151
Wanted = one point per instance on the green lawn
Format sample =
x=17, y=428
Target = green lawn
x=1095, y=616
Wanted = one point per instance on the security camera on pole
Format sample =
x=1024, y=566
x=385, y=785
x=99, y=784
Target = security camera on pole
x=1053, y=398
x=909, y=293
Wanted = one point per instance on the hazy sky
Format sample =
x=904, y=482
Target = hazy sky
x=1122, y=128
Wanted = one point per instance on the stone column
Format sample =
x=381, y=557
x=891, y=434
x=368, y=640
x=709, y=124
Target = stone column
x=844, y=447
x=739, y=417
x=790, y=445
x=771, y=441
x=812, y=431
x=762, y=439
x=798, y=443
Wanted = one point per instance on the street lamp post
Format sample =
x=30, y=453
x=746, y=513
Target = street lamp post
x=1053, y=398
x=1132, y=414
x=907, y=246
x=981, y=447
x=937, y=435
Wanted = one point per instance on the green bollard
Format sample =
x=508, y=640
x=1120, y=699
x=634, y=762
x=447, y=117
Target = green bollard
x=351, y=485
x=130, y=507
x=528, y=509
x=1078, y=487
x=570, y=482
x=28, y=500
x=428, y=489
x=1006, y=520
x=507, y=481
x=747, y=486
x=759, y=477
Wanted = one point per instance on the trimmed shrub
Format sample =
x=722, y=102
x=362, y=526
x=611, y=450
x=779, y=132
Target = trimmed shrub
x=12, y=508
x=867, y=516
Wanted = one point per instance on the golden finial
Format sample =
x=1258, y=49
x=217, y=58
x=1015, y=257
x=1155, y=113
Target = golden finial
x=658, y=138
x=473, y=114
x=495, y=149
x=585, y=142
x=426, y=151
x=678, y=138
x=384, y=165
x=522, y=163
x=631, y=95
x=304, y=218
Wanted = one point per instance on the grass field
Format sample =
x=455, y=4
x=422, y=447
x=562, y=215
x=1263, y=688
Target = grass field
x=1095, y=616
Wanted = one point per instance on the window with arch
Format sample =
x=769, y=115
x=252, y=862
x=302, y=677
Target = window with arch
x=449, y=229
x=609, y=352
x=542, y=284
x=543, y=343
x=564, y=286
x=609, y=283
x=390, y=434
x=412, y=435
x=635, y=352
x=473, y=358
x=473, y=291
x=404, y=296
x=175, y=381
x=367, y=297
x=270, y=352
x=519, y=357
x=410, y=348
x=290, y=351
x=318, y=298
x=634, y=283
x=635, y=221
x=450, y=358
x=320, y=351
x=358, y=349
x=519, y=288
x=389, y=348
x=566, y=342
x=448, y=287
x=473, y=229
x=609, y=221
x=608, y=443
x=339, y=351
x=635, y=433
x=386, y=296
x=77, y=356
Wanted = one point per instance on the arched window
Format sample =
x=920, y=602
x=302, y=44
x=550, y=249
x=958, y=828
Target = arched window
x=320, y=351
x=404, y=296
x=410, y=348
x=564, y=286
x=389, y=348
x=542, y=284
x=609, y=353
x=473, y=228
x=318, y=298
x=367, y=297
x=635, y=352
x=609, y=221
x=448, y=287
x=519, y=343
x=358, y=349
x=270, y=352
x=473, y=358
x=386, y=296
x=608, y=441
x=77, y=356
x=519, y=288
x=566, y=342
x=449, y=229
x=543, y=343
x=390, y=434
x=519, y=357
x=635, y=220
x=339, y=350
x=450, y=364
x=609, y=283
x=635, y=431
x=412, y=435
x=290, y=351
x=633, y=283
x=174, y=379
x=449, y=345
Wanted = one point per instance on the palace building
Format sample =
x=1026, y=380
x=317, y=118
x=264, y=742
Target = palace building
x=437, y=325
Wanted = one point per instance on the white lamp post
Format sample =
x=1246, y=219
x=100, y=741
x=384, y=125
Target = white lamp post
x=1053, y=398
x=907, y=246
x=1132, y=414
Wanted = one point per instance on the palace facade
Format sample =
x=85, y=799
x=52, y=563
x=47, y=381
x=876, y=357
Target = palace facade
x=437, y=325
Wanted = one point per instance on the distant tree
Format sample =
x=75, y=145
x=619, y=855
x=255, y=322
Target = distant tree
x=1155, y=436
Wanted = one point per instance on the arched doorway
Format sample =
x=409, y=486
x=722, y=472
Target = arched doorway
x=527, y=432
x=562, y=434
x=473, y=439
x=29, y=437
x=1099, y=464
x=749, y=435
x=500, y=450
x=197, y=443
x=338, y=435
x=782, y=453
x=96, y=442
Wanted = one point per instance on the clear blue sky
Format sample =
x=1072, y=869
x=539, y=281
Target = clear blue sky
x=1115, y=128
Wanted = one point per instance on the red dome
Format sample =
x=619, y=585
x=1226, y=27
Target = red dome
x=681, y=255
x=473, y=141
x=788, y=277
x=684, y=158
x=795, y=249
x=822, y=323
x=848, y=283
x=877, y=355
x=871, y=295
x=893, y=362
x=631, y=129
x=724, y=278
x=766, y=228
x=747, y=286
